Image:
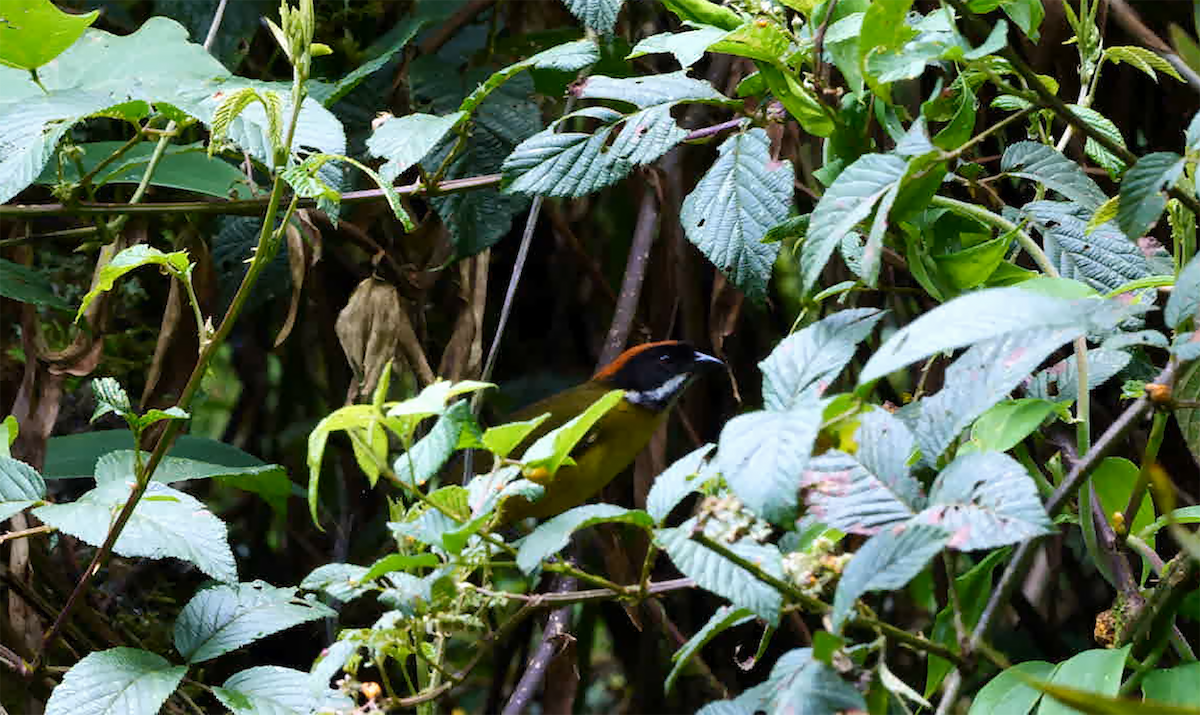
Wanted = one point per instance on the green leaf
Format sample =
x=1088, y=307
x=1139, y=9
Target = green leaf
x=11, y=430
x=884, y=28
x=1095, y=151
x=869, y=490
x=345, y=582
x=505, y=117
x=1185, y=297
x=175, y=263
x=404, y=141
x=983, y=375
x=1176, y=686
x=222, y=618
x=28, y=285
x=984, y=315
x=804, y=685
x=270, y=481
x=888, y=561
x=398, y=562
x=554, y=448
x=1104, y=258
x=848, y=201
x=1142, y=199
x=1183, y=515
x=1113, y=481
x=742, y=194
x=165, y=523
x=35, y=32
x=402, y=35
x=802, y=365
x=268, y=690
x=722, y=619
x=1143, y=59
x=129, y=681
x=598, y=15
x=552, y=536
x=501, y=440
x=762, y=41
x=1005, y=425
x=1043, y=164
x=763, y=454
x=364, y=427
x=20, y=486
x=31, y=128
x=971, y=267
x=713, y=572
x=110, y=397
x=1009, y=692
x=675, y=483
x=962, y=125
x=798, y=100
x=1188, y=388
x=1095, y=671
x=425, y=459
x=986, y=500
x=187, y=167
x=1027, y=14
x=73, y=456
x=703, y=12
x=1060, y=382
x=687, y=47
x=554, y=163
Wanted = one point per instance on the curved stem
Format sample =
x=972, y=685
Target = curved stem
x=981, y=214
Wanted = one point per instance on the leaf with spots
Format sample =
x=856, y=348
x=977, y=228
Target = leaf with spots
x=986, y=500
x=803, y=364
x=982, y=376
x=744, y=193
x=871, y=489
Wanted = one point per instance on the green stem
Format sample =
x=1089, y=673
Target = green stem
x=981, y=214
x=143, y=476
x=1149, y=459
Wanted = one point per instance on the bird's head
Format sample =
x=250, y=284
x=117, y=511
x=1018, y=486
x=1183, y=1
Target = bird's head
x=654, y=374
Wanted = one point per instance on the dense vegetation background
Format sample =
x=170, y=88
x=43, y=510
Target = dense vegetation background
x=913, y=231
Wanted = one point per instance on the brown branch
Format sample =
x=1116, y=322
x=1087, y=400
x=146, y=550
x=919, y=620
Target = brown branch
x=552, y=639
x=644, y=233
x=463, y=17
x=243, y=207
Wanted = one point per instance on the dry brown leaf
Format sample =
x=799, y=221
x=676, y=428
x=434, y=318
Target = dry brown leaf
x=463, y=356
x=369, y=329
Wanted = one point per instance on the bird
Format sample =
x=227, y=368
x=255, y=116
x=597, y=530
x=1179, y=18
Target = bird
x=652, y=376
